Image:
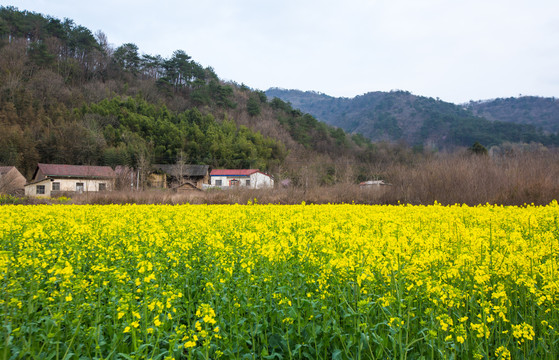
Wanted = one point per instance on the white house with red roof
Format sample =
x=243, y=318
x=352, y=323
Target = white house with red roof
x=53, y=179
x=250, y=178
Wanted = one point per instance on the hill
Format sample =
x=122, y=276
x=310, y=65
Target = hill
x=420, y=121
x=543, y=113
x=67, y=96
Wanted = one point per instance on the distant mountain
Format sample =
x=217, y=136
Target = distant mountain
x=541, y=112
x=417, y=120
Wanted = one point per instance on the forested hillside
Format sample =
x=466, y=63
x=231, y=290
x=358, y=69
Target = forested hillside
x=543, y=113
x=67, y=96
x=417, y=120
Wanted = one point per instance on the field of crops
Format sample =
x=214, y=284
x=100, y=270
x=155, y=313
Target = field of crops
x=279, y=282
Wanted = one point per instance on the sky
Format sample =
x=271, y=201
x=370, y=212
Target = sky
x=455, y=50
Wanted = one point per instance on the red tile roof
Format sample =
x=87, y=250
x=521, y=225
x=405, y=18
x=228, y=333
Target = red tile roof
x=82, y=171
x=233, y=172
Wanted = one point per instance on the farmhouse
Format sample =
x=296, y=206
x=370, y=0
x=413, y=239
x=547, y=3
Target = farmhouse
x=373, y=183
x=53, y=179
x=180, y=177
x=251, y=178
x=11, y=181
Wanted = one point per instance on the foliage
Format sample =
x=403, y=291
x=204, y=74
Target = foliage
x=6, y=199
x=478, y=149
x=399, y=115
x=539, y=112
x=201, y=138
x=253, y=106
x=309, y=132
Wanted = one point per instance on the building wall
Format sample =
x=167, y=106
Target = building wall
x=225, y=180
x=157, y=180
x=31, y=189
x=260, y=180
x=257, y=181
x=68, y=185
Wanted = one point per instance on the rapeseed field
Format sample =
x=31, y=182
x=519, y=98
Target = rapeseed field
x=279, y=282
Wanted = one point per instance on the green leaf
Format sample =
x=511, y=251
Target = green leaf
x=337, y=354
x=125, y=356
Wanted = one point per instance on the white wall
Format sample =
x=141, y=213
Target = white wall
x=258, y=180
x=68, y=185
x=226, y=179
x=31, y=190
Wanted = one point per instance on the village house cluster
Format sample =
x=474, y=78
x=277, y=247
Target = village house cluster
x=57, y=179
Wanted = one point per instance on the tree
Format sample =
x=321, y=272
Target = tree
x=152, y=66
x=253, y=106
x=126, y=56
x=478, y=149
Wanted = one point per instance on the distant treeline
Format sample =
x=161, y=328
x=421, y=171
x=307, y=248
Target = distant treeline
x=432, y=123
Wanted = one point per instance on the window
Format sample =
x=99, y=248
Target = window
x=102, y=186
x=248, y=182
x=40, y=189
x=218, y=183
x=79, y=187
x=55, y=186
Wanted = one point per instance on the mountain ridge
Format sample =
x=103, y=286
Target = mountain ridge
x=420, y=121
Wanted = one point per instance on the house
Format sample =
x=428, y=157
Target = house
x=53, y=179
x=251, y=178
x=370, y=183
x=179, y=177
x=11, y=181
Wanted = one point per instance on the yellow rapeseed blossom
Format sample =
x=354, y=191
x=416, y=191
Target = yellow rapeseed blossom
x=460, y=280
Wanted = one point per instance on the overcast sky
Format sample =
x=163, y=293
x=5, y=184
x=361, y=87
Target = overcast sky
x=457, y=50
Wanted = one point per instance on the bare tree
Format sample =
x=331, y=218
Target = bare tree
x=180, y=168
x=12, y=65
x=144, y=166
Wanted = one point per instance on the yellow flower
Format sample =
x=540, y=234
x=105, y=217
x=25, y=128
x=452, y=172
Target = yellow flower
x=189, y=344
x=288, y=320
x=208, y=319
x=502, y=353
